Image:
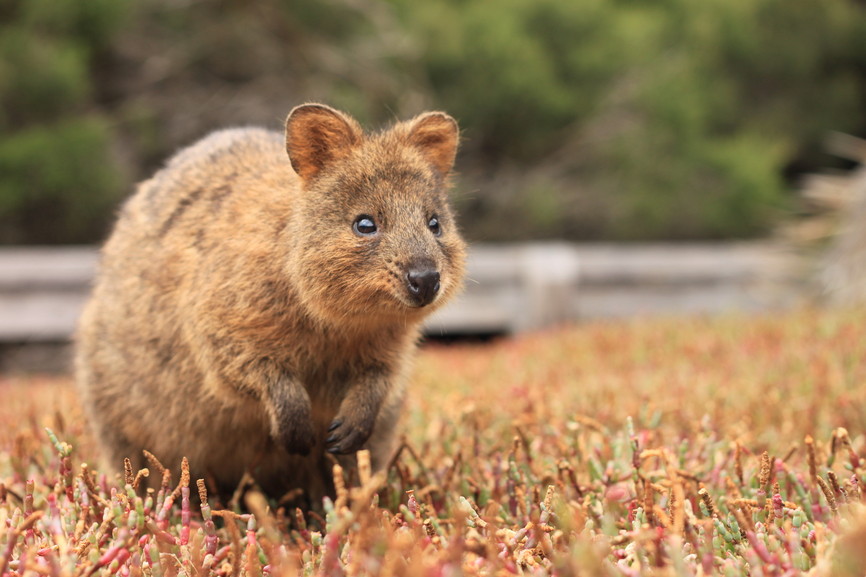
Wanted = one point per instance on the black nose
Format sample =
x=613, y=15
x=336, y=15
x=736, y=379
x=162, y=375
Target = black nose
x=423, y=285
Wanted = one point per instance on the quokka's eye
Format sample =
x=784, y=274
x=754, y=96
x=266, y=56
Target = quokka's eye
x=364, y=225
x=434, y=227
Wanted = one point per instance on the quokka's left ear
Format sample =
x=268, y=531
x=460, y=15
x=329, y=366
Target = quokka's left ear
x=436, y=135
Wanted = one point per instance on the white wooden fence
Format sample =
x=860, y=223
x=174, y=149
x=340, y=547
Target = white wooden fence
x=509, y=288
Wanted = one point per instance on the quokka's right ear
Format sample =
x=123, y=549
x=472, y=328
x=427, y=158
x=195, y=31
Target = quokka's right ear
x=317, y=135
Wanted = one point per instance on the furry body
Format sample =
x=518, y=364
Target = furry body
x=238, y=318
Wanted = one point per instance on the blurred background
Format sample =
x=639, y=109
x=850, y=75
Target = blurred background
x=583, y=120
x=602, y=121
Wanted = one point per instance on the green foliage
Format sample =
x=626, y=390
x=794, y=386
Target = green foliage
x=517, y=74
x=624, y=119
x=681, y=115
x=56, y=186
x=40, y=79
x=89, y=23
x=57, y=178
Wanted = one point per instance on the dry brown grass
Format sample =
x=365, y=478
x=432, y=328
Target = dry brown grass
x=669, y=447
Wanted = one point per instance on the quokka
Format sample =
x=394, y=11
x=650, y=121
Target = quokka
x=259, y=299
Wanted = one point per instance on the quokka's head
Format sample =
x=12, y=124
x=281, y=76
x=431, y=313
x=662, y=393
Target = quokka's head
x=374, y=236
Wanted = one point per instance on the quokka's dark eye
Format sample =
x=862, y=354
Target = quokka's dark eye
x=364, y=225
x=434, y=227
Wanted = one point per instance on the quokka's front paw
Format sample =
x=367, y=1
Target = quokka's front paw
x=298, y=438
x=347, y=436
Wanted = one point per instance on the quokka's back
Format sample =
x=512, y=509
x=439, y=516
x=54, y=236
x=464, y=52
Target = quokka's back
x=255, y=310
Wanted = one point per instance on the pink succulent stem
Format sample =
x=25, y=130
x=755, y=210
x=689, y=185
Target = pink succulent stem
x=185, y=516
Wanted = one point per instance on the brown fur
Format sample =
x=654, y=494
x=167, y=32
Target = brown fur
x=240, y=321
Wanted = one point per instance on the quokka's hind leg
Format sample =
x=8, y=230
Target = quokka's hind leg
x=115, y=448
x=383, y=442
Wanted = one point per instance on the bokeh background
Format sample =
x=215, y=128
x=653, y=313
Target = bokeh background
x=698, y=157
x=582, y=120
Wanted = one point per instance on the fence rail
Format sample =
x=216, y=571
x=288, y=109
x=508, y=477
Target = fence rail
x=509, y=288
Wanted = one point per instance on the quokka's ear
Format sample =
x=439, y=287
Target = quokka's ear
x=317, y=135
x=436, y=135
